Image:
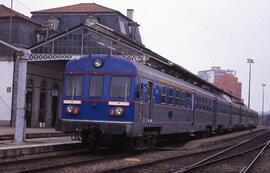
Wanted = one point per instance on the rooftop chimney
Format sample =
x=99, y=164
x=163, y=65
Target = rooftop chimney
x=130, y=13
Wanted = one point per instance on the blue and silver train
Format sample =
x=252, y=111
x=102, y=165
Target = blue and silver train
x=110, y=97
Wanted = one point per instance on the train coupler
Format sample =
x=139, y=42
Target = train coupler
x=76, y=135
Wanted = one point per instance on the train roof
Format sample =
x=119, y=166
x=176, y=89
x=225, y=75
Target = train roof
x=131, y=67
x=125, y=66
x=86, y=64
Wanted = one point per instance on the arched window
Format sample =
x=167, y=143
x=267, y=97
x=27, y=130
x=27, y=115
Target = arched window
x=91, y=20
x=54, y=104
x=28, y=104
x=52, y=22
x=29, y=87
x=42, y=102
x=43, y=86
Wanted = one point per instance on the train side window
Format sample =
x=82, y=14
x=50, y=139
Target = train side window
x=177, y=96
x=188, y=100
x=170, y=96
x=197, y=102
x=96, y=86
x=183, y=99
x=163, y=95
x=141, y=92
x=208, y=104
x=203, y=103
x=211, y=109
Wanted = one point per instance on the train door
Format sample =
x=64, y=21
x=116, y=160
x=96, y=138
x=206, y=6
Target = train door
x=150, y=100
x=145, y=100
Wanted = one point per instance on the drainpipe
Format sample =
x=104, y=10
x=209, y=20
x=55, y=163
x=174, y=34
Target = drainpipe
x=13, y=84
x=22, y=58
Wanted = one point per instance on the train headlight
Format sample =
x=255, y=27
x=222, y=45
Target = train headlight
x=98, y=63
x=117, y=111
x=72, y=110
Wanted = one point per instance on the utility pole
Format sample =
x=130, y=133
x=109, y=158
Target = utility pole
x=250, y=61
x=10, y=23
x=263, y=85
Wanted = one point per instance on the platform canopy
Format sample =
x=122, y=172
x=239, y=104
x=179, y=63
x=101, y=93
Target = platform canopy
x=98, y=39
x=7, y=49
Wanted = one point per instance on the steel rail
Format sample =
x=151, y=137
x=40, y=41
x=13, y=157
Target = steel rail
x=135, y=166
x=72, y=163
x=246, y=169
x=204, y=162
x=224, y=158
x=195, y=165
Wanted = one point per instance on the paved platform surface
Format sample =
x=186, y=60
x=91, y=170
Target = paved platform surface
x=11, y=130
x=8, y=144
x=10, y=148
x=218, y=139
x=38, y=140
x=7, y=133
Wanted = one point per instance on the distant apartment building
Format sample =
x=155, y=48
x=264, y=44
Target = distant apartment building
x=224, y=79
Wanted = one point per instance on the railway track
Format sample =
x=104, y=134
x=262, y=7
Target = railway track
x=52, y=161
x=236, y=158
x=80, y=158
x=230, y=160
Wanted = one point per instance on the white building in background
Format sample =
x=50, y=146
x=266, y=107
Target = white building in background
x=6, y=80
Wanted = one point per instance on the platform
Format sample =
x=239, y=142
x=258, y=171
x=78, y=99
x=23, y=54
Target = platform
x=10, y=148
x=7, y=133
x=218, y=139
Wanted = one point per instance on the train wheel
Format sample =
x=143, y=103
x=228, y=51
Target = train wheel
x=136, y=143
x=150, y=138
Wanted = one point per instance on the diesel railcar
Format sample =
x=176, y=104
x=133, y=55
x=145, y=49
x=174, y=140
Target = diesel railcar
x=110, y=97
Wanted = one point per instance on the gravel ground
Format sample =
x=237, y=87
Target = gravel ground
x=145, y=157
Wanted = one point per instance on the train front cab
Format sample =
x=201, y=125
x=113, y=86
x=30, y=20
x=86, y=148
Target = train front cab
x=99, y=101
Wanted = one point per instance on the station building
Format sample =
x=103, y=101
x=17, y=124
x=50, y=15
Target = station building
x=55, y=36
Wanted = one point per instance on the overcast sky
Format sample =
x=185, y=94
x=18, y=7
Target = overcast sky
x=198, y=34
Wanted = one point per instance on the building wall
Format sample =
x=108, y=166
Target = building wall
x=23, y=33
x=224, y=79
x=6, y=81
x=230, y=84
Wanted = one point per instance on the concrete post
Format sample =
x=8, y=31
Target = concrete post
x=22, y=57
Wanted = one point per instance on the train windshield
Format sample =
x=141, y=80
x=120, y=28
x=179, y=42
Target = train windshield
x=120, y=86
x=96, y=86
x=74, y=85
